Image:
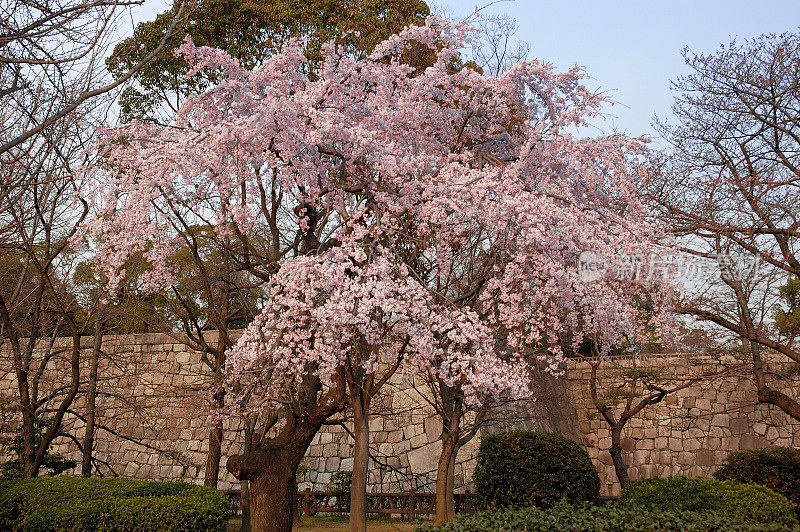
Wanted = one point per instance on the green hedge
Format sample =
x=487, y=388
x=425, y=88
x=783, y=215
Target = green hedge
x=523, y=467
x=603, y=518
x=777, y=468
x=747, y=502
x=114, y=504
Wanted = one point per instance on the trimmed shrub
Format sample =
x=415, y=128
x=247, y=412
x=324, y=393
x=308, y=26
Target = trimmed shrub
x=523, y=468
x=777, y=468
x=114, y=504
x=603, y=518
x=746, y=502
x=340, y=486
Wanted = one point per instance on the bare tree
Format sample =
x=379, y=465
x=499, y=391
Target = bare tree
x=495, y=49
x=54, y=93
x=49, y=53
x=622, y=388
x=38, y=218
x=731, y=193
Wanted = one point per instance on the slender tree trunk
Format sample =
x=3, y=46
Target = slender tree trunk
x=30, y=467
x=21, y=369
x=91, y=401
x=616, y=457
x=358, y=487
x=56, y=421
x=244, y=496
x=451, y=484
x=214, y=446
x=244, y=502
x=214, y=455
x=445, y=479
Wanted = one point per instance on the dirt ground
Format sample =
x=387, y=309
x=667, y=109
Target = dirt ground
x=383, y=525
x=328, y=524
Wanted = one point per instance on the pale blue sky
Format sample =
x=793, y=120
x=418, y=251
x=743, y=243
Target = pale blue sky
x=631, y=49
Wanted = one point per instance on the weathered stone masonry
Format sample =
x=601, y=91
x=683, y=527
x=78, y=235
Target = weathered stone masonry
x=153, y=415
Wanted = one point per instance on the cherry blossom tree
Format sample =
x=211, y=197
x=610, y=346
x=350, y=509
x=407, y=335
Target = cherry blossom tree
x=361, y=197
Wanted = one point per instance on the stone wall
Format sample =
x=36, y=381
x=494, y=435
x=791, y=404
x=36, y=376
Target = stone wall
x=153, y=417
x=152, y=407
x=691, y=431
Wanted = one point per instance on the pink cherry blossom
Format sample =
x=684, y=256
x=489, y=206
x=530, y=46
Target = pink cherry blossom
x=430, y=219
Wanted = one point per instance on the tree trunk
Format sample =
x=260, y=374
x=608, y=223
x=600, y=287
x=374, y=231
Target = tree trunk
x=214, y=446
x=214, y=456
x=768, y=395
x=244, y=495
x=21, y=369
x=244, y=503
x=616, y=456
x=445, y=480
x=91, y=401
x=270, y=474
x=451, y=483
x=358, y=487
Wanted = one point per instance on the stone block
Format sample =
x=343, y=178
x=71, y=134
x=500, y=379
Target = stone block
x=401, y=447
x=721, y=420
x=705, y=457
x=418, y=441
x=752, y=441
x=691, y=444
x=333, y=464
x=395, y=436
x=740, y=425
x=772, y=433
x=433, y=428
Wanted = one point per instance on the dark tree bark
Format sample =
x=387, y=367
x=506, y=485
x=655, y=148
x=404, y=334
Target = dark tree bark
x=359, y=402
x=214, y=455
x=271, y=465
x=616, y=456
x=445, y=479
x=269, y=472
x=91, y=400
x=456, y=433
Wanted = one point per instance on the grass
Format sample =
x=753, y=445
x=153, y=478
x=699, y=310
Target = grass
x=339, y=524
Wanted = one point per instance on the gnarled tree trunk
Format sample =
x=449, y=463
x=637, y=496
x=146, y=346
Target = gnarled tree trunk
x=271, y=468
x=270, y=473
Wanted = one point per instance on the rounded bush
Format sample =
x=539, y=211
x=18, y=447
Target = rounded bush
x=523, y=467
x=113, y=504
x=747, y=502
x=605, y=518
x=777, y=468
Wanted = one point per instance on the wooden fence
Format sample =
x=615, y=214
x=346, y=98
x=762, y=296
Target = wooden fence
x=406, y=504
